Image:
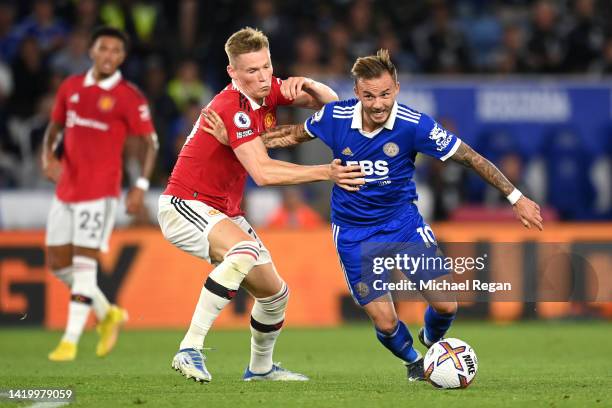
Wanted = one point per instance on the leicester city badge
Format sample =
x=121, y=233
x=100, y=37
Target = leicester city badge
x=391, y=149
x=362, y=289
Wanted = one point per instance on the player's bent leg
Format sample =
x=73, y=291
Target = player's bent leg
x=439, y=316
x=238, y=254
x=202, y=231
x=83, y=286
x=110, y=318
x=267, y=317
x=219, y=289
x=394, y=335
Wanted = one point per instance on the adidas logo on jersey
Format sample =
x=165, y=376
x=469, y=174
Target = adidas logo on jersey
x=347, y=151
x=74, y=98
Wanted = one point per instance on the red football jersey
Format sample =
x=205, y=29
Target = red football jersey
x=210, y=172
x=97, y=118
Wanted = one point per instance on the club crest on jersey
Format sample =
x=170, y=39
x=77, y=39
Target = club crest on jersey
x=391, y=149
x=362, y=289
x=106, y=103
x=347, y=151
x=269, y=120
x=242, y=120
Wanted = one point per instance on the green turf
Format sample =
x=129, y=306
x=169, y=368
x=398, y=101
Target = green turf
x=527, y=364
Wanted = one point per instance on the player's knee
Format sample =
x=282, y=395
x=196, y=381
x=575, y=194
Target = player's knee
x=386, y=324
x=238, y=261
x=58, y=258
x=447, y=308
x=243, y=256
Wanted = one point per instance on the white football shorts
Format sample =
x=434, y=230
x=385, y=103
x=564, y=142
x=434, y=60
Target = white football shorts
x=187, y=223
x=87, y=224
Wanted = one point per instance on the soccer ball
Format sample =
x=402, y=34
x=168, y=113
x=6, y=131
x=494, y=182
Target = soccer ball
x=450, y=363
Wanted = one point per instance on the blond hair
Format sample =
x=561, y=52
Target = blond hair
x=373, y=66
x=244, y=41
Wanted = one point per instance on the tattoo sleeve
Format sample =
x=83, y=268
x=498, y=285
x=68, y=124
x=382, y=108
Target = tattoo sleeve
x=468, y=157
x=285, y=136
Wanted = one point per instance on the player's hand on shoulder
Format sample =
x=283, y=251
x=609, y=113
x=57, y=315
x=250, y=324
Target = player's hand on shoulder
x=51, y=167
x=528, y=213
x=134, y=201
x=293, y=86
x=347, y=177
x=214, y=125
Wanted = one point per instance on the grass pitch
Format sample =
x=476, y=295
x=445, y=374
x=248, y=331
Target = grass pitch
x=545, y=364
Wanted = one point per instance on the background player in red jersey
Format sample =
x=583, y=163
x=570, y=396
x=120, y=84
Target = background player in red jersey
x=96, y=111
x=200, y=210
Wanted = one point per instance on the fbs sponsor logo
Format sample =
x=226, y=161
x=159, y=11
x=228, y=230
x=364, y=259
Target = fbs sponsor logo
x=440, y=136
x=244, y=133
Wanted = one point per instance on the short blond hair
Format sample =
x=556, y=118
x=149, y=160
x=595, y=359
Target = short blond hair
x=244, y=41
x=373, y=66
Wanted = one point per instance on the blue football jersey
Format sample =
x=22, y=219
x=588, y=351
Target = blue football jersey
x=386, y=156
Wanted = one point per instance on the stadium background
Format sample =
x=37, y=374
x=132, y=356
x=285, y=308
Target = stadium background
x=525, y=82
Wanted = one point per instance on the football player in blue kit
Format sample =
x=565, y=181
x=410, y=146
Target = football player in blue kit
x=383, y=137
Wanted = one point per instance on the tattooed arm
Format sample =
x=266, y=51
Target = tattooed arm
x=280, y=136
x=285, y=136
x=525, y=210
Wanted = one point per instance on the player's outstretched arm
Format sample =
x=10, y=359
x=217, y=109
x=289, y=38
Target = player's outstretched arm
x=279, y=136
x=285, y=136
x=527, y=211
x=268, y=172
x=51, y=166
x=135, y=197
x=307, y=93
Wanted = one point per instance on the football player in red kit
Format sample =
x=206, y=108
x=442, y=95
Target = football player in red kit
x=96, y=111
x=200, y=210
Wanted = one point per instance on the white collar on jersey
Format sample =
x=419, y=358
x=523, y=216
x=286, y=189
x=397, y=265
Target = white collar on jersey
x=357, y=122
x=254, y=105
x=106, y=84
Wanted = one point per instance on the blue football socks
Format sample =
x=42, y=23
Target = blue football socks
x=399, y=342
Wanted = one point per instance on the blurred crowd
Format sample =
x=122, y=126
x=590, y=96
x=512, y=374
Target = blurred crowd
x=177, y=58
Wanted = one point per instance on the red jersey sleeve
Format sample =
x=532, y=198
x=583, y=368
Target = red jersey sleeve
x=58, y=114
x=241, y=124
x=138, y=115
x=276, y=96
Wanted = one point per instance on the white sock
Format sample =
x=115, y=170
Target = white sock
x=100, y=304
x=267, y=318
x=65, y=275
x=220, y=287
x=83, y=287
